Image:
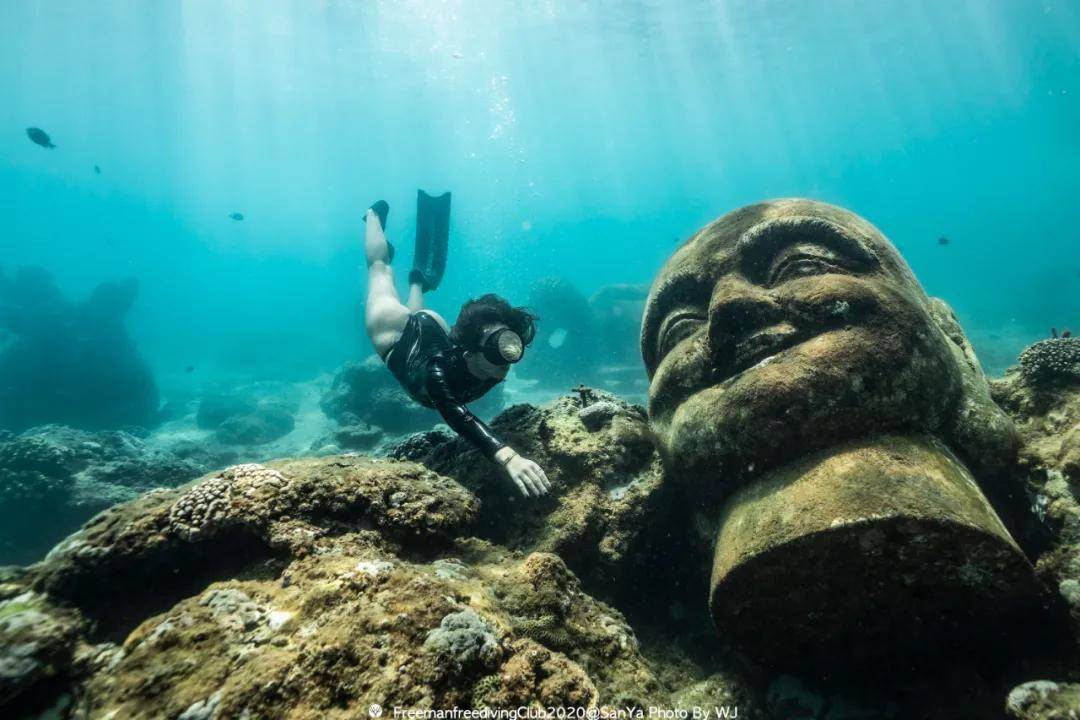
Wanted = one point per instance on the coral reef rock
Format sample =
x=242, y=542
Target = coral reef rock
x=309, y=589
x=54, y=478
x=604, y=469
x=70, y=363
x=1047, y=415
x=317, y=587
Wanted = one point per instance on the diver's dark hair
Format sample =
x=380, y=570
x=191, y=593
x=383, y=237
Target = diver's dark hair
x=491, y=309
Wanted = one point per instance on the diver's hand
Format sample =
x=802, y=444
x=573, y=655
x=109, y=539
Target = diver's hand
x=526, y=474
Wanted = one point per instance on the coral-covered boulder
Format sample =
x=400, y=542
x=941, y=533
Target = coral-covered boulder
x=308, y=588
x=598, y=453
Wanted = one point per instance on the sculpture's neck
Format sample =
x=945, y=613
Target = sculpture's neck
x=876, y=523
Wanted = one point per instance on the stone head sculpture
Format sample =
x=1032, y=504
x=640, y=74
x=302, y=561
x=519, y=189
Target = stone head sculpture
x=830, y=420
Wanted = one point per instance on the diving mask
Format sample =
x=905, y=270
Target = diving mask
x=502, y=346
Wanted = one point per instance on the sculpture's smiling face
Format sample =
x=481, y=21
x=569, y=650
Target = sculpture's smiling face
x=785, y=327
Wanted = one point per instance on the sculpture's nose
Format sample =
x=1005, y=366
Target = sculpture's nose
x=737, y=310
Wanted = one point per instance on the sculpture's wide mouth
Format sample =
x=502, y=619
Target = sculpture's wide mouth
x=761, y=347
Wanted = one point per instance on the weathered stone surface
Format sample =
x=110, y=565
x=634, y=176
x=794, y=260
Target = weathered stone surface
x=787, y=326
x=36, y=641
x=885, y=544
x=778, y=339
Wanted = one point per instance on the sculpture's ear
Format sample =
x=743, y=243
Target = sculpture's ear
x=944, y=317
x=978, y=429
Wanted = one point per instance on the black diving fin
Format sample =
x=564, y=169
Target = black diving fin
x=432, y=238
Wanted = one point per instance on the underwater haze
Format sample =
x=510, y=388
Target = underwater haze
x=580, y=140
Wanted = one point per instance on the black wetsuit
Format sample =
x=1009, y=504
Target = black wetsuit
x=432, y=369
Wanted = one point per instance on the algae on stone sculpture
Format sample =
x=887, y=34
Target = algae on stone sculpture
x=832, y=420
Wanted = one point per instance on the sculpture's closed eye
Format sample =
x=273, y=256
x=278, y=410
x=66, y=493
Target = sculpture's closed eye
x=678, y=326
x=804, y=259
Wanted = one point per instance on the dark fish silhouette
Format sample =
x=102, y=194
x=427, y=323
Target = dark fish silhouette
x=39, y=137
x=943, y=241
x=189, y=368
x=97, y=170
x=236, y=216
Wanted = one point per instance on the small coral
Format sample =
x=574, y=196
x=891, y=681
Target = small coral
x=464, y=641
x=596, y=416
x=1053, y=359
x=196, y=509
x=210, y=502
x=254, y=474
x=548, y=630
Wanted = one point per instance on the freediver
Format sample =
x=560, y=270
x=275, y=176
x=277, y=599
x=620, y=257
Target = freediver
x=442, y=367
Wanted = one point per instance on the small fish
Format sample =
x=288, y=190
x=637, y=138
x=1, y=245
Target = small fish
x=1066, y=333
x=456, y=56
x=97, y=170
x=236, y=216
x=39, y=137
x=943, y=241
x=189, y=369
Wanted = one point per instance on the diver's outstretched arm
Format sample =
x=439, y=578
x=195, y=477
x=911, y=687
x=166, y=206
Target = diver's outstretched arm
x=524, y=473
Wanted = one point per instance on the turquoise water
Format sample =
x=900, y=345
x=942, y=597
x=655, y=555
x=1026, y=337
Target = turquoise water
x=579, y=139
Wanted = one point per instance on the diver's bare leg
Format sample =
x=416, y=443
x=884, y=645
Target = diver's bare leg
x=384, y=315
x=416, y=297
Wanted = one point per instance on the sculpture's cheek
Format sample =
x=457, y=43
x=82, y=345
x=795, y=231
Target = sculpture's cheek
x=840, y=384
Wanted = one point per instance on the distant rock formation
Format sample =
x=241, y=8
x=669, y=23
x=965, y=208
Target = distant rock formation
x=54, y=478
x=364, y=395
x=70, y=363
x=236, y=420
x=586, y=340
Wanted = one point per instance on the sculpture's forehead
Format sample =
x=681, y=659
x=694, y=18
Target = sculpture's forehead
x=706, y=252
